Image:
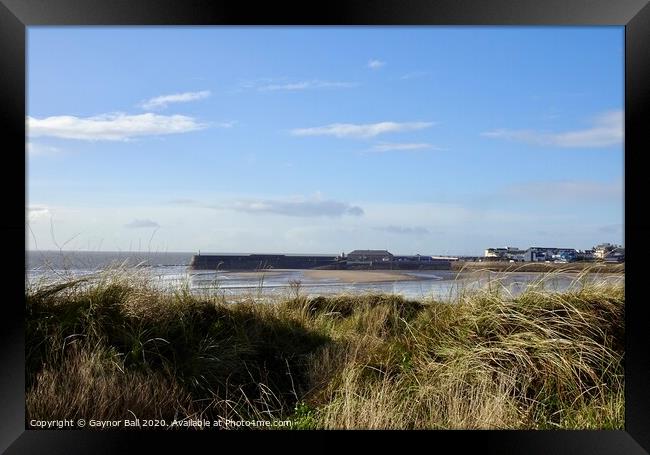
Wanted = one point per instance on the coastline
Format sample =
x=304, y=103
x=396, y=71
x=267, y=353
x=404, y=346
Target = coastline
x=360, y=276
x=341, y=276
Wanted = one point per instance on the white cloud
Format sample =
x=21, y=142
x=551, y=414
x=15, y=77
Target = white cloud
x=257, y=83
x=375, y=64
x=137, y=224
x=607, y=130
x=306, y=85
x=161, y=102
x=191, y=225
x=111, y=127
x=360, y=130
x=36, y=149
x=36, y=212
x=414, y=75
x=284, y=84
x=388, y=147
x=299, y=207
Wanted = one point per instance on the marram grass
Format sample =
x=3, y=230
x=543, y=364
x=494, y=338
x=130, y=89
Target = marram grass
x=114, y=347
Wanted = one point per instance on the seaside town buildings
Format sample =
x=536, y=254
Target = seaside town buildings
x=606, y=252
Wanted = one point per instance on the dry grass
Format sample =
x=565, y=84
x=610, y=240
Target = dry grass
x=91, y=382
x=114, y=347
x=571, y=267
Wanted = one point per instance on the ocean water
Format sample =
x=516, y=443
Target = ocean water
x=95, y=260
x=169, y=271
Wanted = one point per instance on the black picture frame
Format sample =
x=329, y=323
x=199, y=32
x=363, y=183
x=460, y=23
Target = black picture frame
x=16, y=15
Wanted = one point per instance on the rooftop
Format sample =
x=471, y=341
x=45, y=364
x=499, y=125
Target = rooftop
x=371, y=252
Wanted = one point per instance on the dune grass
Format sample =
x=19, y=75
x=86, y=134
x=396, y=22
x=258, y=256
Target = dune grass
x=506, y=266
x=115, y=347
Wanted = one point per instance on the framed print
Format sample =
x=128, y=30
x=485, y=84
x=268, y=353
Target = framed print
x=393, y=216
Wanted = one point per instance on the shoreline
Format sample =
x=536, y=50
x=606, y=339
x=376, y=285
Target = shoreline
x=360, y=276
x=339, y=276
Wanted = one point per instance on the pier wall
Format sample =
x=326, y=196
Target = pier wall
x=259, y=262
x=253, y=262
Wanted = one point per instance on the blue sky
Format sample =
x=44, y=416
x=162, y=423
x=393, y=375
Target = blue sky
x=438, y=140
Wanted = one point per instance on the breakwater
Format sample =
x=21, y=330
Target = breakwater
x=252, y=262
x=259, y=261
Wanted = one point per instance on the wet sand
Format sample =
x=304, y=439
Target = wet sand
x=255, y=274
x=359, y=276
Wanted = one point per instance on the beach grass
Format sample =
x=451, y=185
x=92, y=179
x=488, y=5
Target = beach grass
x=543, y=267
x=112, y=346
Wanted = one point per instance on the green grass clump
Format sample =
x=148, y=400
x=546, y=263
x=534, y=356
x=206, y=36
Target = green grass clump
x=113, y=347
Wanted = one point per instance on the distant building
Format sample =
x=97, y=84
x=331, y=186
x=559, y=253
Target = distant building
x=601, y=251
x=444, y=258
x=615, y=255
x=585, y=255
x=369, y=256
x=506, y=253
x=413, y=258
x=537, y=254
x=605, y=252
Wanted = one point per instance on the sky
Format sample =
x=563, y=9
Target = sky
x=430, y=140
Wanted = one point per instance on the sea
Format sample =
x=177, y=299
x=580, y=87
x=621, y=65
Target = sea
x=169, y=271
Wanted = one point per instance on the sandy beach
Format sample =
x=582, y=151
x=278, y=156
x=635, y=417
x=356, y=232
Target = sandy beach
x=255, y=274
x=359, y=276
x=343, y=276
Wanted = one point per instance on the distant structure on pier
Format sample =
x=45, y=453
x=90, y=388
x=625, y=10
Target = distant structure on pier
x=355, y=260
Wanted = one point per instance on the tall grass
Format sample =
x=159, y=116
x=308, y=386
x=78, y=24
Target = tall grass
x=113, y=346
x=505, y=266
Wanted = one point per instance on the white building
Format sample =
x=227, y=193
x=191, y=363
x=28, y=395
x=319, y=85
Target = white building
x=601, y=251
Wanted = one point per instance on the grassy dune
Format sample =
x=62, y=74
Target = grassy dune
x=571, y=267
x=115, y=348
